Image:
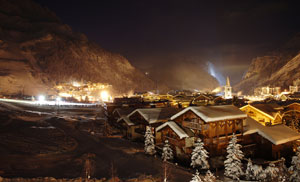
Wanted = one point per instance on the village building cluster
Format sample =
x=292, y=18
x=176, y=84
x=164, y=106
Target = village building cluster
x=267, y=130
x=84, y=92
x=292, y=93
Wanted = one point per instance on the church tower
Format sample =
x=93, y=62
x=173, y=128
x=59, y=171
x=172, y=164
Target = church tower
x=228, y=90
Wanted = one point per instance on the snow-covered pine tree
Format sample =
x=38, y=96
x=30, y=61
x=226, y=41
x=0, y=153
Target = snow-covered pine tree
x=149, y=142
x=255, y=172
x=249, y=171
x=258, y=173
x=295, y=167
x=199, y=156
x=209, y=177
x=233, y=164
x=283, y=171
x=272, y=172
x=196, y=177
x=167, y=154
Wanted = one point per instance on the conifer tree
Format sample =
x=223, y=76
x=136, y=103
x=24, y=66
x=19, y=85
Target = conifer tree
x=233, y=164
x=283, y=171
x=272, y=172
x=149, y=142
x=258, y=173
x=199, y=156
x=249, y=171
x=209, y=177
x=295, y=167
x=167, y=154
x=196, y=177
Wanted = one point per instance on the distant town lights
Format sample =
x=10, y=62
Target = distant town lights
x=41, y=98
x=76, y=84
x=104, y=96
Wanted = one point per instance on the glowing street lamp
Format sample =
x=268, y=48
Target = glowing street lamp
x=104, y=96
x=41, y=98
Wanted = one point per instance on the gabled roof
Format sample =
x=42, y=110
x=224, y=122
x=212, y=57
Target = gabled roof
x=293, y=103
x=201, y=97
x=124, y=111
x=154, y=115
x=271, y=110
x=295, y=95
x=126, y=120
x=183, y=98
x=179, y=131
x=277, y=134
x=214, y=113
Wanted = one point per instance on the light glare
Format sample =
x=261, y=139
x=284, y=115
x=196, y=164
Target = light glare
x=41, y=98
x=104, y=96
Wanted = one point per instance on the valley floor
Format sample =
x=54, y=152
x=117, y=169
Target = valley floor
x=58, y=143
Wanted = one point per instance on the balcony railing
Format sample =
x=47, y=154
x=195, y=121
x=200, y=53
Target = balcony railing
x=192, y=125
x=223, y=139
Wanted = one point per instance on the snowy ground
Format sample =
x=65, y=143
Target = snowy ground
x=37, y=141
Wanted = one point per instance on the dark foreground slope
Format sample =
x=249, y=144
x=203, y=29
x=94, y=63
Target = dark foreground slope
x=60, y=144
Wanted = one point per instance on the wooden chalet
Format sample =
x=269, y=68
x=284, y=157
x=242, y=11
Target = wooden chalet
x=153, y=117
x=219, y=100
x=125, y=102
x=121, y=112
x=182, y=101
x=202, y=100
x=266, y=113
x=127, y=127
x=294, y=96
x=181, y=139
x=293, y=107
x=213, y=124
x=268, y=142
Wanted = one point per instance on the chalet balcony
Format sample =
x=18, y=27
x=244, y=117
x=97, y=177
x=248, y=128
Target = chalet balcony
x=192, y=125
x=222, y=139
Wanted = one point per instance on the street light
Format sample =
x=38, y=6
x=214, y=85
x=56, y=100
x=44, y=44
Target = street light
x=41, y=98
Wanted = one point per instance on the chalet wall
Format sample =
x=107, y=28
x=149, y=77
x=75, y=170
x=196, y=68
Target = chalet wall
x=215, y=135
x=257, y=116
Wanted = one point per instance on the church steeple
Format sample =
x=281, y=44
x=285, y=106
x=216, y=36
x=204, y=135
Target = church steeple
x=228, y=89
x=227, y=82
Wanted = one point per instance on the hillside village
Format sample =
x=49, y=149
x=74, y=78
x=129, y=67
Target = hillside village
x=268, y=131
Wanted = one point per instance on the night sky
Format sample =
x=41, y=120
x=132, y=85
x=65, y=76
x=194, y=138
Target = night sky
x=227, y=33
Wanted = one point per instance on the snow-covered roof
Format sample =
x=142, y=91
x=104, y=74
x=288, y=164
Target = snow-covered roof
x=270, y=109
x=180, y=132
x=291, y=104
x=124, y=111
x=214, y=113
x=154, y=115
x=127, y=120
x=277, y=134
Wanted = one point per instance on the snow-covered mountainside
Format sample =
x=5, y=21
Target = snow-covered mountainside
x=183, y=75
x=279, y=68
x=37, y=51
